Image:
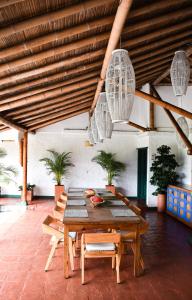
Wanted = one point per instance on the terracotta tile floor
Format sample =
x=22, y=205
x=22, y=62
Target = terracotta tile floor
x=24, y=250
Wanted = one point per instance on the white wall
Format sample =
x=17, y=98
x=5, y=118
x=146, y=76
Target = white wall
x=70, y=135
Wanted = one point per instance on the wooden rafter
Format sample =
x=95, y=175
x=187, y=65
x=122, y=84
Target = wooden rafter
x=4, y=3
x=12, y=124
x=137, y=126
x=163, y=104
x=117, y=28
x=175, y=124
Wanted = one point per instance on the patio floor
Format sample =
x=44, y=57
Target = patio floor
x=24, y=250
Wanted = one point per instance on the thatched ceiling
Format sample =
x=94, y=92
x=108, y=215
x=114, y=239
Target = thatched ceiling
x=52, y=52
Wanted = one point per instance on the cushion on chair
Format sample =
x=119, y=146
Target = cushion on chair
x=100, y=247
x=72, y=234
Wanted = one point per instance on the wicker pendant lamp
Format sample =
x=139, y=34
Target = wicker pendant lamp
x=94, y=130
x=90, y=135
x=103, y=117
x=120, y=86
x=180, y=74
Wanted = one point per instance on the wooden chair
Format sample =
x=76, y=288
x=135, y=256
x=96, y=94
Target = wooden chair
x=62, y=200
x=55, y=228
x=129, y=238
x=94, y=245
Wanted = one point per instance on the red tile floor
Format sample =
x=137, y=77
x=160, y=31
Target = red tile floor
x=24, y=250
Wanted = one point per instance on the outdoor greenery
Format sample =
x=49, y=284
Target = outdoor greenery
x=30, y=187
x=107, y=161
x=163, y=169
x=7, y=173
x=58, y=164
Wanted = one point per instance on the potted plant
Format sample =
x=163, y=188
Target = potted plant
x=113, y=167
x=163, y=169
x=58, y=164
x=7, y=173
x=30, y=188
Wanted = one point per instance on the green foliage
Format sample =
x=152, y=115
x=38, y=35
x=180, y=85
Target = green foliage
x=58, y=164
x=30, y=187
x=163, y=168
x=7, y=174
x=108, y=163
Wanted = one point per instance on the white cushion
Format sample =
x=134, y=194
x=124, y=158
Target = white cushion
x=100, y=247
x=72, y=234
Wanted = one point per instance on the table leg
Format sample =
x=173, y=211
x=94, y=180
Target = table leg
x=66, y=251
x=137, y=253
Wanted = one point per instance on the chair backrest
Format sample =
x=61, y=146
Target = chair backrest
x=119, y=195
x=62, y=202
x=52, y=227
x=58, y=212
x=135, y=208
x=94, y=238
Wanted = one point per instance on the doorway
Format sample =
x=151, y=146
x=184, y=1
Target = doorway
x=142, y=174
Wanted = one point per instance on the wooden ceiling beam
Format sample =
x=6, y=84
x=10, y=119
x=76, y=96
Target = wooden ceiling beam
x=38, y=91
x=12, y=124
x=166, y=73
x=137, y=126
x=56, y=109
x=92, y=40
x=48, y=94
x=55, y=36
x=164, y=104
x=38, y=105
x=51, y=108
x=55, y=120
x=61, y=64
x=175, y=124
x=47, y=79
x=58, y=114
x=5, y=3
x=118, y=24
x=52, y=16
x=152, y=71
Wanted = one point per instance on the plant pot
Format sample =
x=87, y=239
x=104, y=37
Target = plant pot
x=161, y=202
x=111, y=188
x=59, y=189
x=29, y=196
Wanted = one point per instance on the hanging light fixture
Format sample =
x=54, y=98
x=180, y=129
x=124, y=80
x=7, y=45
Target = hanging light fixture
x=120, y=86
x=94, y=130
x=180, y=74
x=90, y=135
x=103, y=117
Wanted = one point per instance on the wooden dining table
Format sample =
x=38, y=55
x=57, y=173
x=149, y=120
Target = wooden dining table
x=100, y=217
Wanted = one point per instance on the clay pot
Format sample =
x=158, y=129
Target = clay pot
x=59, y=189
x=111, y=188
x=161, y=202
x=29, y=196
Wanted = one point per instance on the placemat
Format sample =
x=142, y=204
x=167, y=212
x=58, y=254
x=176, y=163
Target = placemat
x=76, y=213
x=76, y=202
x=123, y=213
x=117, y=202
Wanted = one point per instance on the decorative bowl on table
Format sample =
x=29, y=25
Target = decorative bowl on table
x=89, y=192
x=96, y=200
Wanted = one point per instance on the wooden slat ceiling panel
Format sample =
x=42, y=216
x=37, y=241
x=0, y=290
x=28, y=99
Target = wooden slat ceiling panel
x=52, y=52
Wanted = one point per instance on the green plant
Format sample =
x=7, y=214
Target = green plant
x=163, y=168
x=6, y=172
x=30, y=187
x=109, y=164
x=58, y=164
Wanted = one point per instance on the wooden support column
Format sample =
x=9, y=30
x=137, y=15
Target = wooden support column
x=151, y=113
x=25, y=146
x=21, y=152
x=176, y=125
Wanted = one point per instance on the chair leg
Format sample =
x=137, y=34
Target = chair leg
x=113, y=262
x=82, y=268
x=117, y=267
x=71, y=254
x=54, y=246
x=74, y=248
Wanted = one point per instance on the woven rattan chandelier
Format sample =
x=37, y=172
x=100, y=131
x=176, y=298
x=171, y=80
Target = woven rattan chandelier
x=120, y=86
x=103, y=117
x=94, y=130
x=180, y=74
x=90, y=135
